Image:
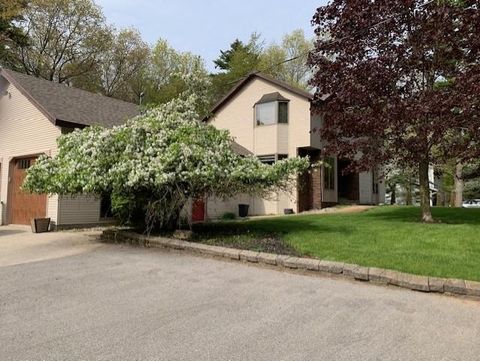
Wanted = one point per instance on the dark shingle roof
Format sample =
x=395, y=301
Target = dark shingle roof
x=240, y=150
x=66, y=105
x=272, y=97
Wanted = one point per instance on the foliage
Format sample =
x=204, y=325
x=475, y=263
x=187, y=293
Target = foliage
x=11, y=35
x=229, y=216
x=404, y=82
x=66, y=38
x=235, y=63
x=288, y=61
x=119, y=65
x=156, y=162
x=387, y=237
x=171, y=72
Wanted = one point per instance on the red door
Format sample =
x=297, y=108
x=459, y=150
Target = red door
x=23, y=205
x=198, y=210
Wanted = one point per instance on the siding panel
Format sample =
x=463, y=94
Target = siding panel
x=24, y=130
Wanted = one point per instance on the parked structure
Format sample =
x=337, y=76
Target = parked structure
x=33, y=114
x=274, y=121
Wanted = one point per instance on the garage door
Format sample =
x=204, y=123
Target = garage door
x=24, y=206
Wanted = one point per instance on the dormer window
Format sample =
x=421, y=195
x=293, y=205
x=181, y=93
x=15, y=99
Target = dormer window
x=271, y=109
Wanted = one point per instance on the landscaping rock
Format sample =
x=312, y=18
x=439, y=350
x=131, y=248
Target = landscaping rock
x=202, y=248
x=308, y=264
x=292, y=262
x=413, y=282
x=281, y=259
x=231, y=253
x=473, y=288
x=249, y=256
x=330, y=267
x=267, y=258
x=455, y=286
x=436, y=284
x=377, y=275
x=355, y=271
x=182, y=234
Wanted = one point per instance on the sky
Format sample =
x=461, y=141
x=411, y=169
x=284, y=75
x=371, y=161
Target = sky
x=206, y=27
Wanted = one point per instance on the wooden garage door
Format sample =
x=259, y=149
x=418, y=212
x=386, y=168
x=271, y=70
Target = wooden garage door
x=24, y=206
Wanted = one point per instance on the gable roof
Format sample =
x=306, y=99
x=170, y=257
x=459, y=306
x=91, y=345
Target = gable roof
x=64, y=105
x=259, y=75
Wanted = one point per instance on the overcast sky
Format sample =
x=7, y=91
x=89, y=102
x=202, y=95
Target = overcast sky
x=205, y=27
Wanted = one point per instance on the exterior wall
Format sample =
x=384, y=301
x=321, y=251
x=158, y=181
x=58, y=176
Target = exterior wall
x=366, y=189
x=24, y=130
x=238, y=117
x=217, y=207
x=78, y=210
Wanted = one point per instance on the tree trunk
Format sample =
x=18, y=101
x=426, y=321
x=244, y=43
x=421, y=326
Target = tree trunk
x=425, y=192
x=458, y=185
x=408, y=198
x=393, y=199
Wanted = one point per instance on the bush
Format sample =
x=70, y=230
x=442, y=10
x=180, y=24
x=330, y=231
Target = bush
x=228, y=216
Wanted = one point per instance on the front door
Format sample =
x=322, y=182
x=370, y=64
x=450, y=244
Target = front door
x=23, y=205
x=198, y=210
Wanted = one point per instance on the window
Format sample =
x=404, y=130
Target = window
x=329, y=173
x=266, y=114
x=267, y=159
x=374, y=181
x=271, y=113
x=272, y=158
x=283, y=112
x=23, y=163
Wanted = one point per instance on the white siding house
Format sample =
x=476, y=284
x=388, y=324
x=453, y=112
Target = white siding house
x=274, y=120
x=33, y=113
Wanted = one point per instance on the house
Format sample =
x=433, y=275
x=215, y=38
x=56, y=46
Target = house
x=33, y=114
x=274, y=121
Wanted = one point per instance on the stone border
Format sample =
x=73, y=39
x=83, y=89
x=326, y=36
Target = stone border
x=351, y=271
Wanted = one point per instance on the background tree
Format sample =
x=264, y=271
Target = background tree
x=235, y=63
x=167, y=71
x=66, y=38
x=382, y=66
x=11, y=35
x=275, y=60
x=125, y=57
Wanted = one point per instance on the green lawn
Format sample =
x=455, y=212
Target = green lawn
x=386, y=237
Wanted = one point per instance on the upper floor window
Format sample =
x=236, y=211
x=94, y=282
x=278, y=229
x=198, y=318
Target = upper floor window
x=271, y=109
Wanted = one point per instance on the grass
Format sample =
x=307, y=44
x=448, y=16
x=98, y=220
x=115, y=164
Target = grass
x=385, y=237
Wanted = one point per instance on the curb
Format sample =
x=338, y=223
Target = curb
x=351, y=271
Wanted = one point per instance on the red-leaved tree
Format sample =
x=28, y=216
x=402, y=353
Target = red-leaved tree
x=404, y=80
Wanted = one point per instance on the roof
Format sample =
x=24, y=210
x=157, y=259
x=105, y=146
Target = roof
x=240, y=150
x=272, y=97
x=254, y=75
x=64, y=105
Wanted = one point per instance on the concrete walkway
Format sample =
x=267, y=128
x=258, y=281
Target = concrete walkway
x=68, y=297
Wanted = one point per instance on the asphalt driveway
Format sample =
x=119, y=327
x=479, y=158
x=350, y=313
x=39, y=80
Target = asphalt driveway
x=64, y=296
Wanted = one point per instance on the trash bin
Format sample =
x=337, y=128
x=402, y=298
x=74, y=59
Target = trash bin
x=243, y=210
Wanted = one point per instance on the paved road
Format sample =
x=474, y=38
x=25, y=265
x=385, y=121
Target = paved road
x=101, y=302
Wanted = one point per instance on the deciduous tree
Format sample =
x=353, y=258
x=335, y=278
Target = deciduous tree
x=382, y=66
x=66, y=38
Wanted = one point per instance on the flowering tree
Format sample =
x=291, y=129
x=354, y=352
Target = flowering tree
x=404, y=81
x=156, y=162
